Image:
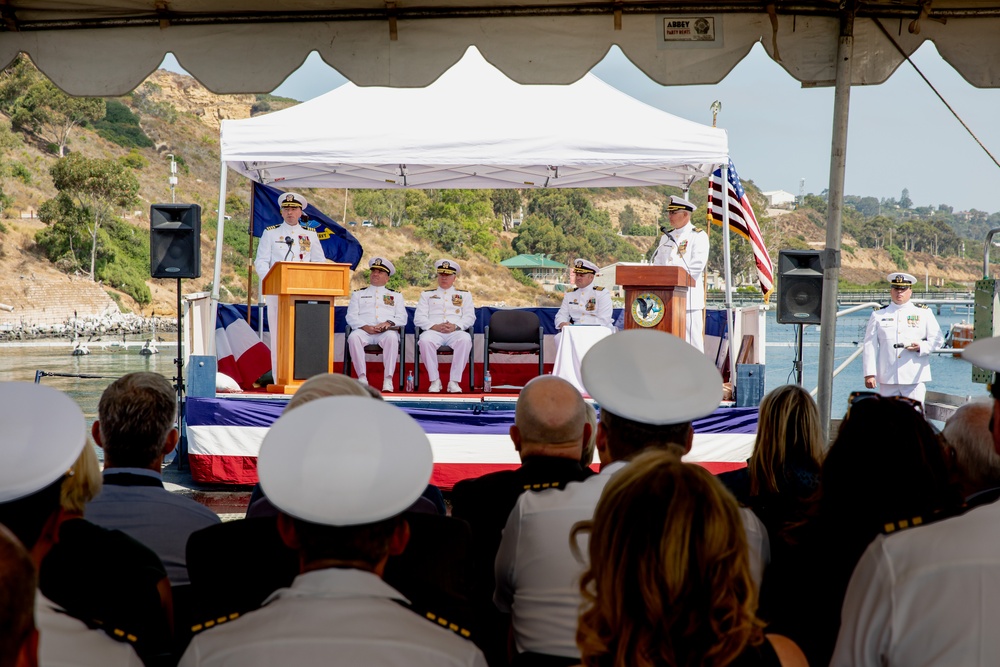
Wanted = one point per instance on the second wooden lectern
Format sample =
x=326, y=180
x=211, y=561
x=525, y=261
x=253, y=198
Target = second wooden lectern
x=306, y=292
x=655, y=297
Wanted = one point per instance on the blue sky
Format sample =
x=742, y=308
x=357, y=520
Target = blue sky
x=900, y=134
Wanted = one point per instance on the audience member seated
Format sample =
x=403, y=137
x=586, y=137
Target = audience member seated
x=926, y=595
x=135, y=428
x=977, y=465
x=782, y=474
x=341, y=502
x=635, y=376
x=886, y=468
x=665, y=585
x=18, y=634
x=549, y=432
x=104, y=577
x=44, y=432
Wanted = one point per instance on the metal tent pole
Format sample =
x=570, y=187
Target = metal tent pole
x=835, y=203
x=727, y=260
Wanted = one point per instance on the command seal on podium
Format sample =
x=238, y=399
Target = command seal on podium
x=647, y=309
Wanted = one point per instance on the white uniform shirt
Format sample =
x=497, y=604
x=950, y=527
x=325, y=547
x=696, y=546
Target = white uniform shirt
x=437, y=306
x=67, y=642
x=687, y=248
x=272, y=247
x=926, y=596
x=332, y=617
x=537, y=576
x=589, y=305
x=373, y=305
x=903, y=325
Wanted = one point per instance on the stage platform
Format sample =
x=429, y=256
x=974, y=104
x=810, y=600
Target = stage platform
x=468, y=433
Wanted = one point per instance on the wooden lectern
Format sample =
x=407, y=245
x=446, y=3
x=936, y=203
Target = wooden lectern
x=655, y=297
x=306, y=292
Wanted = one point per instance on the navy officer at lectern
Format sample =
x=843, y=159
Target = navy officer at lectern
x=898, y=342
x=287, y=242
x=374, y=313
x=686, y=246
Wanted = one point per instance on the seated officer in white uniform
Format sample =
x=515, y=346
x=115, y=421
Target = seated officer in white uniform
x=587, y=306
x=928, y=592
x=373, y=313
x=686, y=246
x=899, y=339
x=651, y=386
x=341, y=502
x=446, y=315
x=287, y=242
x=44, y=432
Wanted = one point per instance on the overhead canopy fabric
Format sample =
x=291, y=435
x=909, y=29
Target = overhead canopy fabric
x=473, y=128
x=108, y=47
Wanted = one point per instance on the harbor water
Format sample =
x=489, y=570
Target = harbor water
x=19, y=361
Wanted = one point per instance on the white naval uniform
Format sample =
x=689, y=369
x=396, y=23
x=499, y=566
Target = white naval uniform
x=332, y=617
x=587, y=305
x=687, y=248
x=369, y=306
x=538, y=577
x=67, y=642
x=590, y=305
x=900, y=372
x=926, y=596
x=272, y=249
x=437, y=306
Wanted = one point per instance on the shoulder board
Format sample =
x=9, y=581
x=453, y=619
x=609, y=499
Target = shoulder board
x=598, y=289
x=393, y=291
x=897, y=526
x=882, y=307
x=361, y=289
x=267, y=229
x=541, y=486
x=921, y=305
x=430, y=290
x=212, y=622
x=698, y=230
x=572, y=290
x=447, y=625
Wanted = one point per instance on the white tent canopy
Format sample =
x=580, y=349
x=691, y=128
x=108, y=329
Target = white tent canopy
x=473, y=128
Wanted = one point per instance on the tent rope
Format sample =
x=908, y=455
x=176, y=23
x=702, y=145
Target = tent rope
x=936, y=92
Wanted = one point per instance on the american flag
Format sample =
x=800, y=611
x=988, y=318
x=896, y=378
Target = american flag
x=742, y=221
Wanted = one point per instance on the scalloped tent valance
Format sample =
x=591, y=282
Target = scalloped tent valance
x=108, y=47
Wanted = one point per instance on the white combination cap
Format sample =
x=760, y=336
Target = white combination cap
x=680, y=204
x=344, y=461
x=290, y=199
x=651, y=377
x=382, y=264
x=447, y=267
x=44, y=432
x=584, y=266
x=901, y=279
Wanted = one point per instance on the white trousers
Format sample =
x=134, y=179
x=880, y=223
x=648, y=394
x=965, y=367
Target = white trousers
x=915, y=391
x=459, y=341
x=387, y=340
x=695, y=334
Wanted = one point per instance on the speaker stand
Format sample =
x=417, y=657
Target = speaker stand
x=182, y=447
x=797, y=364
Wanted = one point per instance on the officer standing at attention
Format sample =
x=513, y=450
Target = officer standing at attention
x=287, y=242
x=898, y=341
x=587, y=304
x=446, y=315
x=373, y=314
x=687, y=247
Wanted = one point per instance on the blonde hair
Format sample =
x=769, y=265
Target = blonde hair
x=82, y=483
x=669, y=576
x=587, y=457
x=788, y=431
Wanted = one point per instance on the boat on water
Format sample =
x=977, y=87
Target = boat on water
x=959, y=336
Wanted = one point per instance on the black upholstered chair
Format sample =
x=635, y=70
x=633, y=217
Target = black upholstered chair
x=377, y=349
x=443, y=350
x=514, y=332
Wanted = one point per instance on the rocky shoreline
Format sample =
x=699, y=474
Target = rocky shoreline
x=112, y=324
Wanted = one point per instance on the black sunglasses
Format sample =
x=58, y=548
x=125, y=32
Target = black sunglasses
x=856, y=397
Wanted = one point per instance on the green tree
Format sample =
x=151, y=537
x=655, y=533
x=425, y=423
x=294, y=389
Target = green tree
x=904, y=199
x=380, y=206
x=506, y=204
x=537, y=235
x=98, y=187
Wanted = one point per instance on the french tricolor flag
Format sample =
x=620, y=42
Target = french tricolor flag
x=241, y=354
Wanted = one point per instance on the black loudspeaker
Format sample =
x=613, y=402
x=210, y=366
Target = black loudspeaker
x=800, y=287
x=175, y=241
